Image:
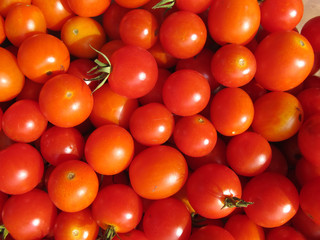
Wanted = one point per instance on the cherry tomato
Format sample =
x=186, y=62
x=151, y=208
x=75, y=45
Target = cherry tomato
x=279, y=163
x=5, y=5
x=233, y=21
x=140, y=28
x=231, y=111
x=43, y=56
x=23, y=121
x=167, y=219
x=76, y=225
x=23, y=21
x=306, y=225
x=275, y=199
x=195, y=135
x=30, y=215
x=233, y=65
x=158, y=172
x=2, y=30
x=66, y=100
x=87, y=8
x=151, y=124
x=284, y=60
x=211, y=232
x=78, y=33
x=22, y=167
x=110, y=107
x=73, y=185
x=132, y=3
x=219, y=186
x=3, y=198
x=183, y=34
x=284, y=232
x=162, y=57
x=186, y=92
x=117, y=209
x=58, y=145
x=109, y=149
x=132, y=235
x=12, y=79
x=194, y=6
x=30, y=90
x=248, y=154
x=80, y=68
x=279, y=15
x=278, y=116
x=309, y=99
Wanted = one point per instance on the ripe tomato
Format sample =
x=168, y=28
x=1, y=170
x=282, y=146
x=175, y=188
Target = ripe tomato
x=56, y=12
x=231, y=111
x=234, y=21
x=43, y=56
x=5, y=5
x=58, y=145
x=109, y=149
x=78, y=33
x=169, y=214
x=211, y=232
x=30, y=215
x=66, y=100
x=233, y=65
x=76, y=225
x=2, y=30
x=241, y=227
x=309, y=30
x=279, y=163
x=22, y=168
x=117, y=209
x=186, y=92
x=73, y=185
x=248, y=154
x=183, y=34
x=162, y=57
x=132, y=3
x=30, y=90
x=23, y=121
x=23, y=21
x=132, y=235
x=275, y=199
x=194, y=6
x=306, y=225
x=12, y=79
x=110, y=107
x=284, y=60
x=305, y=171
x=220, y=187
x=158, y=172
x=3, y=198
x=310, y=100
x=151, y=124
x=87, y=8
x=134, y=71
x=195, y=135
x=284, y=232
x=140, y=28
x=278, y=116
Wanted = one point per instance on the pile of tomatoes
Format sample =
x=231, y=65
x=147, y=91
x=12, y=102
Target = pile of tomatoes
x=160, y=120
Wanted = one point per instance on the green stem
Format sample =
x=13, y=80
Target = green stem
x=230, y=202
x=4, y=231
x=164, y=4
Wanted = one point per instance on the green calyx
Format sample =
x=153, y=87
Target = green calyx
x=164, y=4
x=230, y=202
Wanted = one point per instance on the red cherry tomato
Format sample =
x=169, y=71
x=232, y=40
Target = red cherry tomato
x=86, y=8
x=211, y=232
x=284, y=232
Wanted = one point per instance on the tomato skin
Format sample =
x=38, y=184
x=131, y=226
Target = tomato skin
x=169, y=214
x=183, y=34
x=43, y=56
x=233, y=21
x=132, y=235
x=275, y=199
x=306, y=225
x=211, y=232
x=217, y=183
x=3, y=198
x=30, y=90
x=91, y=8
x=58, y=145
x=73, y=185
x=277, y=15
x=109, y=149
x=12, y=79
x=193, y=6
x=151, y=124
x=158, y=172
x=309, y=99
x=134, y=71
x=30, y=215
x=6, y=5
x=229, y=118
x=278, y=116
x=284, y=60
x=23, y=21
x=132, y=3
x=186, y=92
x=23, y=121
x=66, y=100
x=162, y=57
x=23, y=166
x=76, y=225
x=2, y=30
x=284, y=232
x=309, y=30
x=113, y=206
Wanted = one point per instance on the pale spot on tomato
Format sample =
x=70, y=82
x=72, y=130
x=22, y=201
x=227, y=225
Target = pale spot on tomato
x=75, y=232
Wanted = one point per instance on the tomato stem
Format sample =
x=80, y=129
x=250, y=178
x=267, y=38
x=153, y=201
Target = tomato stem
x=4, y=231
x=230, y=202
x=164, y=4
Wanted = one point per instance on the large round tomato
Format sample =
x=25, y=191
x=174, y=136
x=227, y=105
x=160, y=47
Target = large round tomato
x=158, y=172
x=73, y=185
x=21, y=168
x=66, y=100
x=233, y=21
x=284, y=60
x=30, y=215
